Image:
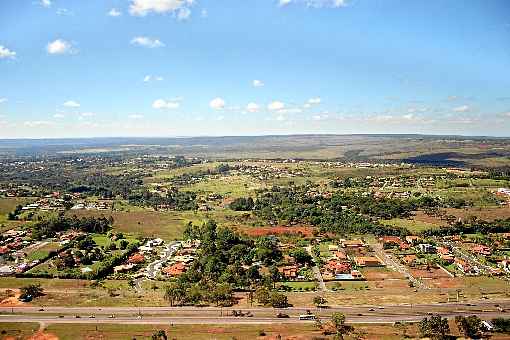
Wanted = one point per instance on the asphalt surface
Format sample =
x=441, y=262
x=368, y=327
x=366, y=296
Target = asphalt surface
x=192, y=315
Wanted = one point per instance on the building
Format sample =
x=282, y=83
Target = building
x=288, y=272
x=368, y=261
x=427, y=248
x=337, y=267
x=175, y=270
x=352, y=244
x=410, y=260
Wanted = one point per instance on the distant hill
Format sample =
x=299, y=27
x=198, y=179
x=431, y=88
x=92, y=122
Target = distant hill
x=439, y=150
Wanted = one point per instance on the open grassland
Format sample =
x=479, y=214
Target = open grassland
x=7, y=205
x=192, y=332
x=414, y=226
x=167, y=225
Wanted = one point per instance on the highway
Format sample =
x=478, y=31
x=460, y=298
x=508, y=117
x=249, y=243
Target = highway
x=192, y=315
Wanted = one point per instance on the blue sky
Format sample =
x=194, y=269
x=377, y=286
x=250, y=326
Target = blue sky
x=79, y=68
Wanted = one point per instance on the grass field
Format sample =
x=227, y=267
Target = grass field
x=192, y=332
x=7, y=205
x=414, y=226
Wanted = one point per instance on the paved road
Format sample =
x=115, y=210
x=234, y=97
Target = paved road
x=364, y=314
x=390, y=262
x=317, y=272
x=150, y=319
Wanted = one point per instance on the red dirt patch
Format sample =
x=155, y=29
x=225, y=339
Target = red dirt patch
x=429, y=274
x=43, y=336
x=264, y=231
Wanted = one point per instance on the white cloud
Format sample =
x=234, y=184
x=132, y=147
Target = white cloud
x=314, y=101
x=45, y=3
x=217, y=103
x=58, y=116
x=64, y=11
x=315, y=3
x=258, y=83
x=166, y=104
x=147, y=42
x=220, y=118
x=462, y=108
x=60, y=46
x=144, y=7
x=204, y=13
x=408, y=116
x=3, y=100
x=276, y=106
x=281, y=118
x=37, y=123
x=114, y=13
x=149, y=78
x=87, y=114
x=136, y=116
x=183, y=14
x=71, y=103
x=5, y=53
x=252, y=107
x=320, y=116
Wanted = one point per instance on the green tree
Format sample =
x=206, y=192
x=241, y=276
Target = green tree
x=159, y=335
x=341, y=329
x=278, y=300
x=301, y=256
x=33, y=290
x=175, y=293
x=435, y=328
x=262, y=295
x=319, y=301
x=470, y=326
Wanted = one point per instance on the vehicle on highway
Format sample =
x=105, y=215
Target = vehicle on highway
x=111, y=316
x=305, y=317
x=92, y=316
x=60, y=316
x=282, y=316
x=77, y=317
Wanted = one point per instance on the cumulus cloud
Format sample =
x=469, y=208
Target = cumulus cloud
x=64, y=11
x=3, y=100
x=315, y=3
x=136, y=116
x=217, y=103
x=252, y=107
x=258, y=83
x=320, y=116
x=183, y=13
x=45, y=3
x=114, y=13
x=180, y=8
x=314, y=101
x=147, y=42
x=87, y=114
x=5, y=53
x=60, y=46
x=149, y=78
x=276, y=106
x=166, y=104
x=71, y=103
x=58, y=116
x=462, y=108
x=37, y=123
